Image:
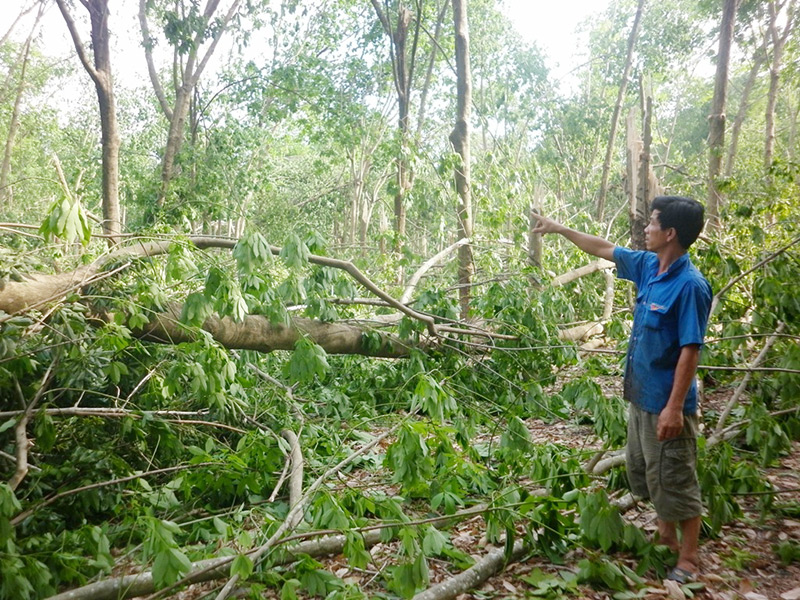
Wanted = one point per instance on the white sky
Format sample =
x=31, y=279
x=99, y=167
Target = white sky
x=550, y=24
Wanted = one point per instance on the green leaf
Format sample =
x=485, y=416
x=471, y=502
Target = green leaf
x=354, y=550
x=242, y=566
x=434, y=542
x=294, y=252
x=309, y=360
x=289, y=589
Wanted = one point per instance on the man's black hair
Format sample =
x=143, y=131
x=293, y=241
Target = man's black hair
x=686, y=215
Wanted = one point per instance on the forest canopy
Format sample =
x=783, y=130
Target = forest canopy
x=281, y=301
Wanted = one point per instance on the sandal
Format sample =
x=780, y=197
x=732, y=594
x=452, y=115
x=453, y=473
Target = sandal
x=681, y=575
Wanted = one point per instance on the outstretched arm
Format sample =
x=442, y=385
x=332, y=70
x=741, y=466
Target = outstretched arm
x=591, y=244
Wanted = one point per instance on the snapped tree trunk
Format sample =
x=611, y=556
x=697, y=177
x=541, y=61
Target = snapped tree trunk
x=459, y=137
x=100, y=72
x=612, y=136
x=716, y=120
x=643, y=185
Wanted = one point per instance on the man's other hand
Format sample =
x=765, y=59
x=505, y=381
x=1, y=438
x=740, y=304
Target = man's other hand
x=670, y=424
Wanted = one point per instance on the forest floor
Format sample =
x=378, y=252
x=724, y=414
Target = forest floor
x=741, y=563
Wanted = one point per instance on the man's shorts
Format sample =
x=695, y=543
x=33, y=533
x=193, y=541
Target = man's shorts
x=665, y=472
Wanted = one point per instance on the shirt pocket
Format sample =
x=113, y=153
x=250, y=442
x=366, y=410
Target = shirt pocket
x=657, y=316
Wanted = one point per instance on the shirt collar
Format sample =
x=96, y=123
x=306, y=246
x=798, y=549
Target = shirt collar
x=679, y=264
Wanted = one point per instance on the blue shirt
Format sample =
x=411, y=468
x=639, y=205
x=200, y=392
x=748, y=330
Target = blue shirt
x=671, y=311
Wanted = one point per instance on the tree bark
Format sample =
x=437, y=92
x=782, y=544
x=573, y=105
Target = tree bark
x=187, y=77
x=403, y=61
x=13, y=126
x=100, y=72
x=489, y=565
x=258, y=333
x=716, y=130
x=759, y=57
x=612, y=136
x=778, y=43
x=459, y=137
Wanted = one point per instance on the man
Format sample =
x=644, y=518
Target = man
x=672, y=308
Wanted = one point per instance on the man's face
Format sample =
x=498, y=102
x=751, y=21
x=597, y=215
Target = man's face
x=655, y=238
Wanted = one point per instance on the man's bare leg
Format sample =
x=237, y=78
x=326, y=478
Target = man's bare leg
x=690, y=535
x=667, y=535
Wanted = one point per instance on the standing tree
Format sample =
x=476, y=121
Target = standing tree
x=623, y=86
x=459, y=137
x=716, y=129
x=778, y=39
x=100, y=72
x=187, y=33
x=403, y=61
x=13, y=126
x=759, y=58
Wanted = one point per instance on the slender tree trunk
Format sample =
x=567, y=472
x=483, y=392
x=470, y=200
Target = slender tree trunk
x=404, y=173
x=423, y=97
x=185, y=81
x=636, y=212
x=13, y=126
x=716, y=130
x=744, y=103
x=402, y=71
x=623, y=86
x=778, y=44
x=795, y=112
x=459, y=137
x=100, y=72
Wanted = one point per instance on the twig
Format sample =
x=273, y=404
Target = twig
x=731, y=431
x=13, y=460
x=298, y=507
x=26, y=513
x=426, y=266
x=735, y=280
x=743, y=385
x=21, y=429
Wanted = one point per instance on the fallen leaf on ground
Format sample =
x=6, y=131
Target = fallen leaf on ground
x=674, y=589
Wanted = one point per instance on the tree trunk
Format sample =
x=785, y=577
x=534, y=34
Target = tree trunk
x=100, y=72
x=459, y=137
x=744, y=103
x=13, y=126
x=778, y=44
x=716, y=129
x=643, y=184
x=623, y=86
x=423, y=97
x=402, y=71
x=636, y=212
x=186, y=79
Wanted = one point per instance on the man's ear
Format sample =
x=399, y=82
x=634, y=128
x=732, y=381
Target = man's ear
x=671, y=234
